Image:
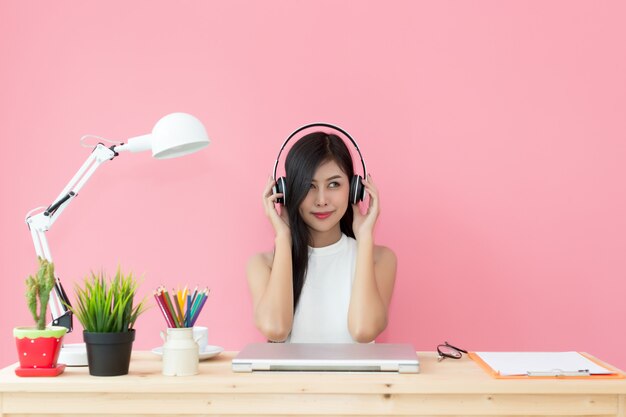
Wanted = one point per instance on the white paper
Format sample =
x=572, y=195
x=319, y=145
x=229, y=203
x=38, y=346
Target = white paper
x=557, y=363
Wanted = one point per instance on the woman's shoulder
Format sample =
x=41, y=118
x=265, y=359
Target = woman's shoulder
x=383, y=253
x=261, y=260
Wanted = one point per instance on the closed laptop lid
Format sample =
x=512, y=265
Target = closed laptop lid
x=349, y=357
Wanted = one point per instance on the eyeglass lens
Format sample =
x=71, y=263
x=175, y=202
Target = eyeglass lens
x=448, y=351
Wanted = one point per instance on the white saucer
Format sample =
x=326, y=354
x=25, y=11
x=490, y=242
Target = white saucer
x=209, y=351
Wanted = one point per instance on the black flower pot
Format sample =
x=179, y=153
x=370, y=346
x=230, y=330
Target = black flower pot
x=108, y=354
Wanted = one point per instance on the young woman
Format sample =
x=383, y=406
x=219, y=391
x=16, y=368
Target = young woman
x=325, y=280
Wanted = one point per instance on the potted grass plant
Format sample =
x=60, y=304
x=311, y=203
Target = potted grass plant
x=38, y=346
x=107, y=310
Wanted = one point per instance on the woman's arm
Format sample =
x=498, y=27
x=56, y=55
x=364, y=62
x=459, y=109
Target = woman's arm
x=375, y=275
x=270, y=277
x=371, y=291
x=272, y=291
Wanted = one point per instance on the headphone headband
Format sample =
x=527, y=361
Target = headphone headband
x=321, y=124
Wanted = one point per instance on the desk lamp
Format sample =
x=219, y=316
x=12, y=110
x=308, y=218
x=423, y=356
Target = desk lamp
x=174, y=135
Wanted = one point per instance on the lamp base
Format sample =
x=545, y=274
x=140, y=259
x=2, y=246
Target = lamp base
x=54, y=371
x=73, y=354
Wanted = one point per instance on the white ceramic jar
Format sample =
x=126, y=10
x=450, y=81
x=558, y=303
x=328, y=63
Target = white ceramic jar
x=180, y=352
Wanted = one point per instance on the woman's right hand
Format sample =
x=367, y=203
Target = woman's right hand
x=279, y=221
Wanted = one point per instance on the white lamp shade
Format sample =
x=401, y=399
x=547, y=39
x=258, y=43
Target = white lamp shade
x=176, y=134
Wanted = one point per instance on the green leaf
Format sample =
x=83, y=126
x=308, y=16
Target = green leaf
x=106, y=305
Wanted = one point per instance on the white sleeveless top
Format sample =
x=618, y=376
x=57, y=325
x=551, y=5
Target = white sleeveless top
x=322, y=312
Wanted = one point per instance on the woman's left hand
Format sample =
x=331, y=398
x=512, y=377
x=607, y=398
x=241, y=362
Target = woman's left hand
x=363, y=224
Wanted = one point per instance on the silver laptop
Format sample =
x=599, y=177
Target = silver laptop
x=323, y=357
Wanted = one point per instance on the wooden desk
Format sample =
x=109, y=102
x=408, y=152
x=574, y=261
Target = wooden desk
x=452, y=388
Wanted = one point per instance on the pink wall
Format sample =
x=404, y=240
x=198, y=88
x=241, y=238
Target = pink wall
x=494, y=130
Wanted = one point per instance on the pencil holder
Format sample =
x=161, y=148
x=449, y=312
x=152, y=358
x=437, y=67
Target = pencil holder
x=180, y=352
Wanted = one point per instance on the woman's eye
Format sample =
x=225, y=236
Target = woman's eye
x=333, y=184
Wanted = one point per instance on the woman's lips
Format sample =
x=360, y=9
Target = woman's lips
x=324, y=215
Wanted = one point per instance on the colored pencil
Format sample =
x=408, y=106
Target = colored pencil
x=163, y=302
x=183, y=308
x=186, y=310
x=170, y=307
x=196, y=304
x=159, y=301
x=198, y=310
x=178, y=306
x=195, y=293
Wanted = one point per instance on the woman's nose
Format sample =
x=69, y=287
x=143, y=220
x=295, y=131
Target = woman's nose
x=320, y=198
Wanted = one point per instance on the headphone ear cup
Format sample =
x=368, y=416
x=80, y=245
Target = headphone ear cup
x=357, y=189
x=281, y=188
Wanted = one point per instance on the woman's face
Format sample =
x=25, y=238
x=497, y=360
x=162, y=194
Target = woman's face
x=327, y=199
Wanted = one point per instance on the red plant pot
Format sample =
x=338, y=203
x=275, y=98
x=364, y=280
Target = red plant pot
x=38, y=348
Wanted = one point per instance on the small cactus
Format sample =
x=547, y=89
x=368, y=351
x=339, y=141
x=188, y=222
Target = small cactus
x=38, y=291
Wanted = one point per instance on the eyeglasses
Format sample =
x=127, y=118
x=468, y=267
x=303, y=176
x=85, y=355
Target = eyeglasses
x=448, y=351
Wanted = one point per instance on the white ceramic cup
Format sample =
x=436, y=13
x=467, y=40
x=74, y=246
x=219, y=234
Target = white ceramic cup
x=201, y=336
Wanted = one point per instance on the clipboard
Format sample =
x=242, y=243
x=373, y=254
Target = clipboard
x=555, y=372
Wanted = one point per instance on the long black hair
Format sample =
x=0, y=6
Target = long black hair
x=305, y=156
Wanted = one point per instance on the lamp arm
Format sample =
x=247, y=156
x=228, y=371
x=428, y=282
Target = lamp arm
x=41, y=223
